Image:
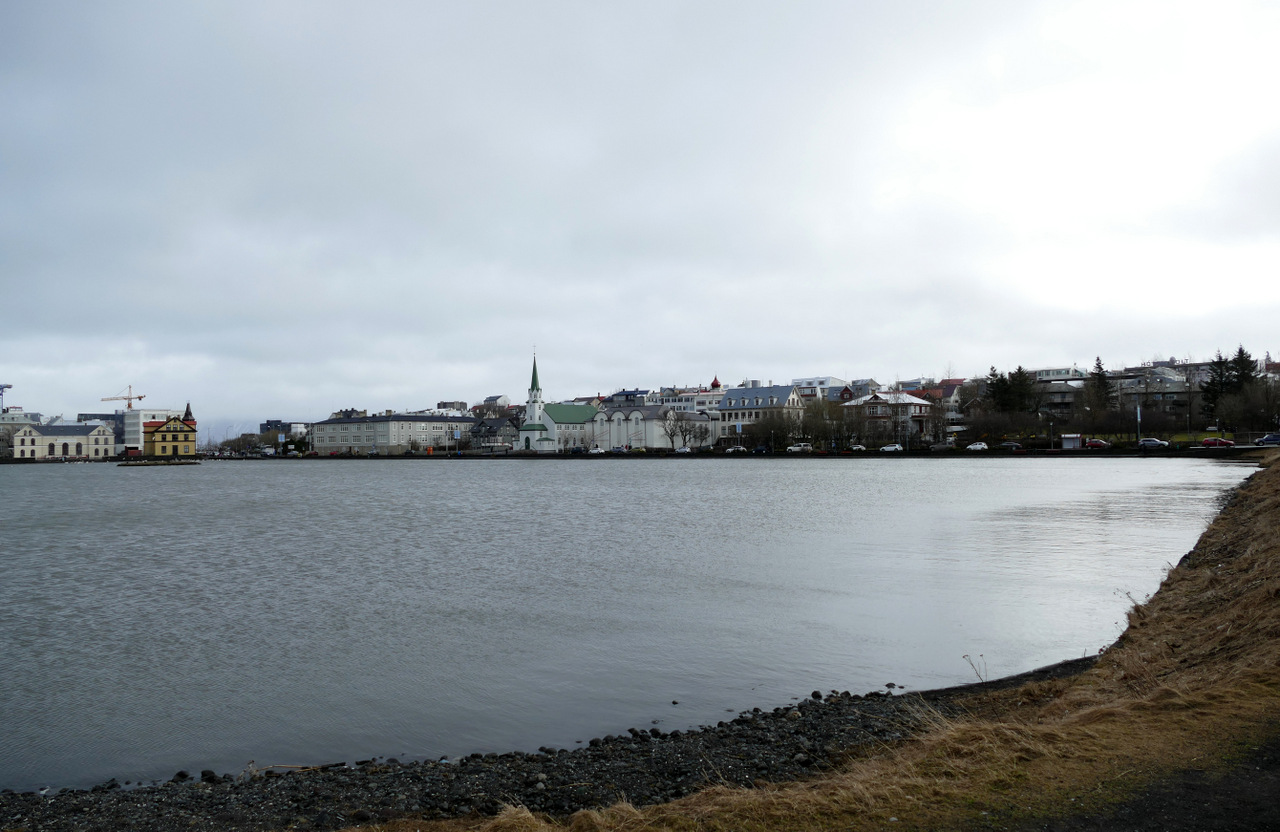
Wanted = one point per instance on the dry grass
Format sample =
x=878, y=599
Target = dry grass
x=1196, y=674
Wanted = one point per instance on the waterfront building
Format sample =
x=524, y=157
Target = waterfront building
x=653, y=426
x=76, y=441
x=549, y=428
x=172, y=437
x=893, y=416
x=133, y=425
x=13, y=419
x=494, y=434
x=742, y=406
x=389, y=434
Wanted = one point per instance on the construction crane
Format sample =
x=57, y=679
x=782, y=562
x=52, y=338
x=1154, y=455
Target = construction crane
x=3, y=387
x=127, y=397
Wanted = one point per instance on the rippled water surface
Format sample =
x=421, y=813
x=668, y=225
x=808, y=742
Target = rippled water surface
x=156, y=619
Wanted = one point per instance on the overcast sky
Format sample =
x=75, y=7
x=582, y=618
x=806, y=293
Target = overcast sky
x=276, y=210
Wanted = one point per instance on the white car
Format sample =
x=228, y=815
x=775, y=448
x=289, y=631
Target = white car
x=800, y=448
x=596, y=451
x=857, y=447
x=894, y=448
x=977, y=446
x=684, y=450
x=736, y=449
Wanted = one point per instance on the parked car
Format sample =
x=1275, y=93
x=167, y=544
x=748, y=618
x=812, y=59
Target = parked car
x=857, y=447
x=1150, y=443
x=1097, y=444
x=1011, y=446
x=684, y=450
x=761, y=449
x=617, y=449
x=1269, y=439
x=1218, y=442
x=942, y=446
x=596, y=450
x=735, y=449
x=976, y=446
x=894, y=448
x=800, y=448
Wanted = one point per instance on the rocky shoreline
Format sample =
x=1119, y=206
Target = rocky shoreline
x=641, y=766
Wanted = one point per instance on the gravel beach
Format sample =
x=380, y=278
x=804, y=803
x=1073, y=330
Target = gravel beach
x=640, y=766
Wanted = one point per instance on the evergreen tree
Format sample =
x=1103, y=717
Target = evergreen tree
x=1216, y=386
x=1100, y=390
x=1024, y=392
x=997, y=394
x=1243, y=371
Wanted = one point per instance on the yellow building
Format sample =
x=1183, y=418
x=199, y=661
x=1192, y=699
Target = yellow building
x=173, y=437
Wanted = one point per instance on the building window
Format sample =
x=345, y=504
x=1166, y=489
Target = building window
x=164, y=449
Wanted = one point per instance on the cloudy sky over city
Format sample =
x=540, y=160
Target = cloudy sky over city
x=280, y=209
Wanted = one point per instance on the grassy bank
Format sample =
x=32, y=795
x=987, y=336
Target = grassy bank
x=1192, y=683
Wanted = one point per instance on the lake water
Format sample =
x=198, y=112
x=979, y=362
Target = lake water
x=286, y=612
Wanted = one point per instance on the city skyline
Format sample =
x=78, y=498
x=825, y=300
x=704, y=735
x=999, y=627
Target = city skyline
x=277, y=210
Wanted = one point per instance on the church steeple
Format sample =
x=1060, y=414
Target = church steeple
x=533, y=408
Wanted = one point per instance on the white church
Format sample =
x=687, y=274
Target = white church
x=552, y=428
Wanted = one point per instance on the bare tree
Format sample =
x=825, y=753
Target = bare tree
x=674, y=424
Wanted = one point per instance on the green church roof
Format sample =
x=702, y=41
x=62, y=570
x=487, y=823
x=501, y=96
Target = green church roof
x=570, y=414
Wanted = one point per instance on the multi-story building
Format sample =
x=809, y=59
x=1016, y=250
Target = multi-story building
x=389, y=434
x=893, y=415
x=12, y=419
x=1051, y=374
x=74, y=441
x=742, y=406
x=280, y=426
x=135, y=418
x=684, y=399
x=820, y=388
x=172, y=437
x=494, y=434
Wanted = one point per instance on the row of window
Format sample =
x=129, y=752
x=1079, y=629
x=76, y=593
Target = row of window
x=23, y=441
x=53, y=450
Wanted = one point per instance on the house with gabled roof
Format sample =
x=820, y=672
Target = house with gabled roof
x=894, y=415
x=172, y=437
x=742, y=406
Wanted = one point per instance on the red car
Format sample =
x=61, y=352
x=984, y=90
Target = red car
x=1096, y=443
x=1218, y=442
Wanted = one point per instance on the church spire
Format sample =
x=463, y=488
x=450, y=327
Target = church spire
x=533, y=408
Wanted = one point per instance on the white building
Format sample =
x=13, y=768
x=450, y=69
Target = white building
x=549, y=428
x=690, y=399
x=75, y=441
x=389, y=434
x=653, y=426
x=134, y=420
